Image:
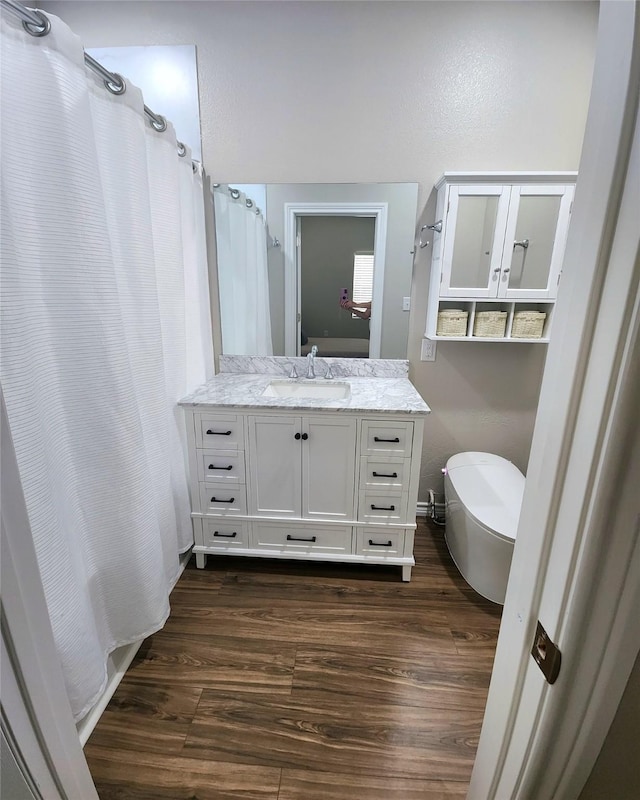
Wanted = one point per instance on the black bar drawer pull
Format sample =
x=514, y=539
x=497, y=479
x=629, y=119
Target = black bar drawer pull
x=226, y=535
x=295, y=539
x=214, y=500
x=211, y=466
x=380, y=544
x=391, y=441
x=382, y=508
x=384, y=475
x=218, y=433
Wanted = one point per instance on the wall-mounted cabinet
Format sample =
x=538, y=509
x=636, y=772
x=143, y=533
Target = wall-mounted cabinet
x=499, y=247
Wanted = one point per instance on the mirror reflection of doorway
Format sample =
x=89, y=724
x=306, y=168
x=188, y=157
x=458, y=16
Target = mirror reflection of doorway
x=335, y=253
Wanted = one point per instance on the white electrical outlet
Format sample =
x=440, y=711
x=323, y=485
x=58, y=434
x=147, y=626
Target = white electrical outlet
x=428, y=350
x=406, y=304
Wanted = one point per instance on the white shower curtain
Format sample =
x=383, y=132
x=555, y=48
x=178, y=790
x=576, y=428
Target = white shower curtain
x=104, y=327
x=241, y=239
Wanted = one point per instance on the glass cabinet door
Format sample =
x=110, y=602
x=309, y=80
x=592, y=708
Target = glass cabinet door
x=534, y=241
x=474, y=236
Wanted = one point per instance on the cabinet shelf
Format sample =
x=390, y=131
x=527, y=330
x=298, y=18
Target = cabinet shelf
x=471, y=306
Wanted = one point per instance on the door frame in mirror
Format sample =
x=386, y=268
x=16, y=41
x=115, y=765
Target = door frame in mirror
x=292, y=280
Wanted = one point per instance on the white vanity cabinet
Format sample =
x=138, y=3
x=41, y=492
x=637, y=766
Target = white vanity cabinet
x=498, y=244
x=319, y=486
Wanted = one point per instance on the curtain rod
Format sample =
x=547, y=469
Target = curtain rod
x=36, y=23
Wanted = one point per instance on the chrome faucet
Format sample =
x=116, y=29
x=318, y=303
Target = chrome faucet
x=311, y=372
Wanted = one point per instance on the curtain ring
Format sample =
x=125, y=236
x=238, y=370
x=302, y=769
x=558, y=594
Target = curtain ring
x=248, y=203
x=117, y=84
x=182, y=150
x=235, y=193
x=159, y=123
x=34, y=30
x=194, y=167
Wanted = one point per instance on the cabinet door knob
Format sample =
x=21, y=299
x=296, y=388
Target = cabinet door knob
x=305, y=436
x=297, y=436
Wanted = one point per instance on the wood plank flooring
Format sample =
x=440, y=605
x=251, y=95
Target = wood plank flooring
x=282, y=680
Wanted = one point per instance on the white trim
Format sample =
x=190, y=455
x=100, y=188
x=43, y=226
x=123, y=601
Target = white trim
x=506, y=177
x=27, y=629
x=534, y=737
x=291, y=278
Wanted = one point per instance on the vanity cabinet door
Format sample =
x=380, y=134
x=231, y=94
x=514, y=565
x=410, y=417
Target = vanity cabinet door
x=328, y=468
x=535, y=240
x=274, y=466
x=302, y=467
x=474, y=229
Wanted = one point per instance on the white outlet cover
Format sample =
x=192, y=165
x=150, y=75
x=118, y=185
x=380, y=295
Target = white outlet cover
x=428, y=350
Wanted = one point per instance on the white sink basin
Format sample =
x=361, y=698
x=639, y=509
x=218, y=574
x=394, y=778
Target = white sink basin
x=310, y=390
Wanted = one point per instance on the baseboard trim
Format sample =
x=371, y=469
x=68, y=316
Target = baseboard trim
x=126, y=654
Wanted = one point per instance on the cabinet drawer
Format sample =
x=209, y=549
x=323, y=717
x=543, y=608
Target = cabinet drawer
x=220, y=431
x=389, y=542
x=302, y=538
x=223, y=498
x=221, y=466
x=382, y=507
x=384, y=474
x=224, y=534
x=386, y=439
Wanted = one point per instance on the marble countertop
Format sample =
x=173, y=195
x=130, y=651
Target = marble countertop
x=379, y=395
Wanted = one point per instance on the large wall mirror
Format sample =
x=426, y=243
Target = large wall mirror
x=286, y=253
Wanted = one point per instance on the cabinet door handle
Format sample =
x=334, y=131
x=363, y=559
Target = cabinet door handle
x=393, y=441
x=211, y=466
x=305, y=436
x=214, y=500
x=296, y=539
x=385, y=475
x=380, y=544
x=298, y=436
x=382, y=508
x=218, y=433
x=226, y=535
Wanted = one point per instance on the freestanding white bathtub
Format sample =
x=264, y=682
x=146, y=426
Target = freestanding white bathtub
x=483, y=496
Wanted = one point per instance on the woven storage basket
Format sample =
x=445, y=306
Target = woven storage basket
x=490, y=323
x=528, y=324
x=452, y=322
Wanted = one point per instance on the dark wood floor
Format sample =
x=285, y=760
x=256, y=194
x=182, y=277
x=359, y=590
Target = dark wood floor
x=282, y=680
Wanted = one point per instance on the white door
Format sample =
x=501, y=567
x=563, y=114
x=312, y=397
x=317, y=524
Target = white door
x=576, y=562
x=474, y=231
x=274, y=465
x=328, y=468
x=535, y=241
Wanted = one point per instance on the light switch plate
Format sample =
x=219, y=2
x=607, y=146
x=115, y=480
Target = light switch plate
x=428, y=350
x=406, y=304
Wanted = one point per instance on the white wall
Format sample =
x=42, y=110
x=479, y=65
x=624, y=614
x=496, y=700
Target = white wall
x=388, y=91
